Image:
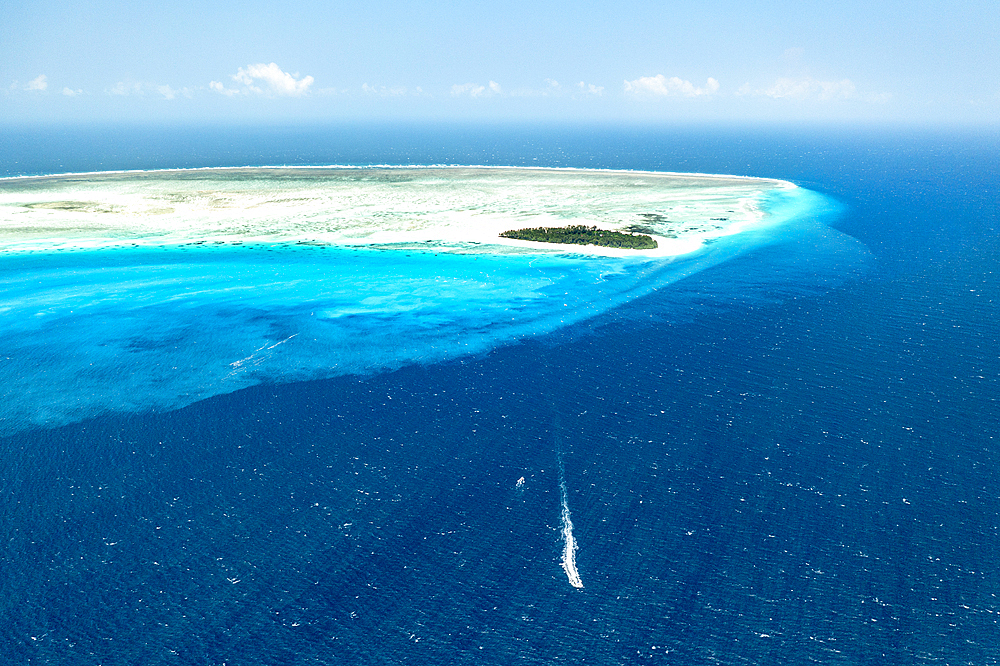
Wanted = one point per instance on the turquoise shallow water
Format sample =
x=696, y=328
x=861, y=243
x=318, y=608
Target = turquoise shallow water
x=155, y=328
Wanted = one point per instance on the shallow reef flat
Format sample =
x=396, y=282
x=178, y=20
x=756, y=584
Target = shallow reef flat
x=452, y=208
x=132, y=292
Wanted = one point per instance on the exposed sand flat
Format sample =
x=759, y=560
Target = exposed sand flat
x=456, y=209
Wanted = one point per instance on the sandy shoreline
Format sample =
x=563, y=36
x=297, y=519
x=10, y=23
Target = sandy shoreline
x=393, y=167
x=449, y=209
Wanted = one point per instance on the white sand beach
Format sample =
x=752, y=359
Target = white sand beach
x=440, y=209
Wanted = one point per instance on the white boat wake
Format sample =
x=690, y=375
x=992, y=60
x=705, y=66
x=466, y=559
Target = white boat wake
x=569, y=542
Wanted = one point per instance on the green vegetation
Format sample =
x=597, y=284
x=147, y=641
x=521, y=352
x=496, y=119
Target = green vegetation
x=580, y=234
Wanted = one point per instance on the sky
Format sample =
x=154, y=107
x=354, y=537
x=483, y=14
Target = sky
x=615, y=60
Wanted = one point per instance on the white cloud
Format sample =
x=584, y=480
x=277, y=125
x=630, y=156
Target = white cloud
x=474, y=90
x=470, y=89
x=383, y=91
x=844, y=89
x=790, y=88
x=219, y=88
x=69, y=92
x=551, y=89
x=803, y=88
x=261, y=79
x=807, y=87
x=122, y=89
x=41, y=82
x=590, y=89
x=139, y=88
x=661, y=86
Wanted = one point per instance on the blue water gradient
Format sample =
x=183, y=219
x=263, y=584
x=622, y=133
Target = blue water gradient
x=788, y=457
x=140, y=329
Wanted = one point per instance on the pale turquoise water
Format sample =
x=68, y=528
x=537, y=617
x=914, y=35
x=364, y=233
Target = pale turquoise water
x=100, y=315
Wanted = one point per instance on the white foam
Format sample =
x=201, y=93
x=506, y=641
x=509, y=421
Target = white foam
x=569, y=541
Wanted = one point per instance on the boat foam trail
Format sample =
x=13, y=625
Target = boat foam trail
x=569, y=542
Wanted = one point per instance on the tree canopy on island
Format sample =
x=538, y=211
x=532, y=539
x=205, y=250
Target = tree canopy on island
x=580, y=234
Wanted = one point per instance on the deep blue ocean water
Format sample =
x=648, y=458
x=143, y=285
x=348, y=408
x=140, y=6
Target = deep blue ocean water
x=788, y=457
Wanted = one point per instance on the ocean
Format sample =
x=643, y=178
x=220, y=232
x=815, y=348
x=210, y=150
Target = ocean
x=780, y=449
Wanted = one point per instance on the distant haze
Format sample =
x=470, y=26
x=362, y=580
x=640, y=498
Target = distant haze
x=632, y=61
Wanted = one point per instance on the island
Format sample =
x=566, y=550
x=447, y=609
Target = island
x=579, y=234
x=459, y=210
